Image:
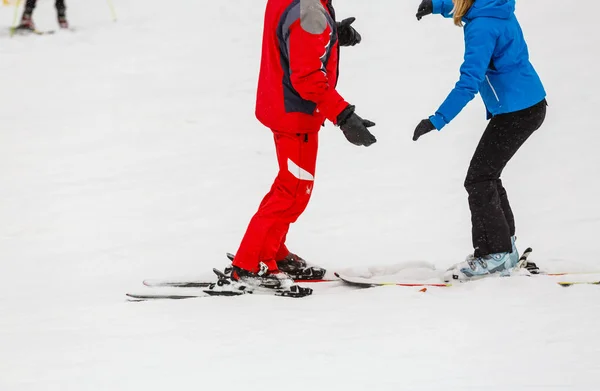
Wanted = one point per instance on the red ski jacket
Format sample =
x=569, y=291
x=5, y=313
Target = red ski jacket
x=299, y=67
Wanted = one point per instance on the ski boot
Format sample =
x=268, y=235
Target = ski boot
x=62, y=18
x=296, y=267
x=26, y=21
x=292, y=265
x=265, y=278
x=475, y=267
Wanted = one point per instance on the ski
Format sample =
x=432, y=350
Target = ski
x=366, y=283
x=572, y=283
x=180, y=296
x=22, y=31
x=294, y=292
x=567, y=274
x=154, y=296
x=224, y=286
x=522, y=264
x=176, y=284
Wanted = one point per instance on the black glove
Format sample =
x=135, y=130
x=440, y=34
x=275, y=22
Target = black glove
x=423, y=127
x=426, y=8
x=347, y=36
x=355, y=128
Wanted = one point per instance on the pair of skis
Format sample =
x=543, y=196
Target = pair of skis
x=219, y=288
x=195, y=289
x=523, y=264
x=13, y=31
x=22, y=31
x=225, y=286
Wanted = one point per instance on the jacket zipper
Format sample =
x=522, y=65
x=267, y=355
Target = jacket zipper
x=492, y=87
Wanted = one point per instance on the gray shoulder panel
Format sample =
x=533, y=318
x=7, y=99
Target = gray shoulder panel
x=313, y=17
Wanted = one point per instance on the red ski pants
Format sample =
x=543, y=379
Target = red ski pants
x=264, y=240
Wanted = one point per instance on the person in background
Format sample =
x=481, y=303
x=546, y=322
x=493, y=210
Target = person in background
x=27, y=20
x=496, y=65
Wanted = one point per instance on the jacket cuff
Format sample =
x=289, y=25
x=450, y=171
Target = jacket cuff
x=443, y=7
x=332, y=106
x=438, y=121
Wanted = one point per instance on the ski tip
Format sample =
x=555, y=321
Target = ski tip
x=336, y=274
x=230, y=256
x=133, y=298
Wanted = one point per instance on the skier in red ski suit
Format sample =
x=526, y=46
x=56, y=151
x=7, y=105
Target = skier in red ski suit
x=296, y=94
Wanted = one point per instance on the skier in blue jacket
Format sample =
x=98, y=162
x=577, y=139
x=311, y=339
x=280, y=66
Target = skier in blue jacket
x=496, y=65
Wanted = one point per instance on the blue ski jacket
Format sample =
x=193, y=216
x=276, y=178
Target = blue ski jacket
x=496, y=62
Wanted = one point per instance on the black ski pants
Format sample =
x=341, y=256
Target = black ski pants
x=491, y=216
x=30, y=5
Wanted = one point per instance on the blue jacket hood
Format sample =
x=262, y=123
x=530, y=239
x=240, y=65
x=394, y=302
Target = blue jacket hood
x=501, y=9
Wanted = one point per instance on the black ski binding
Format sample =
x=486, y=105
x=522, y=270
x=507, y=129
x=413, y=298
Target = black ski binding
x=524, y=263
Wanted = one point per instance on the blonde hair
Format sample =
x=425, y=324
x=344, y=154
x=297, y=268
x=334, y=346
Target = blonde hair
x=461, y=7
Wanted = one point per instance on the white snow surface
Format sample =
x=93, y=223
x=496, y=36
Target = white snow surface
x=130, y=150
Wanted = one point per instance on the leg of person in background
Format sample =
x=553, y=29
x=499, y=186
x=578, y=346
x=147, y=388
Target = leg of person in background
x=26, y=19
x=61, y=14
x=265, y=236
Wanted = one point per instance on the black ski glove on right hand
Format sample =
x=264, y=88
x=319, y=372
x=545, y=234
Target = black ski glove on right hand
x=347, y=35
x=426, y=8
x=423, y=127
x=355, y=128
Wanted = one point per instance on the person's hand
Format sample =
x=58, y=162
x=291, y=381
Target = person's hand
x=422, y=128
x=426, y=8
x=347, y=35
x=355, y=128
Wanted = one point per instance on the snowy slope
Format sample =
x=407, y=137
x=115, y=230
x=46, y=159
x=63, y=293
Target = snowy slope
x=129, y=150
